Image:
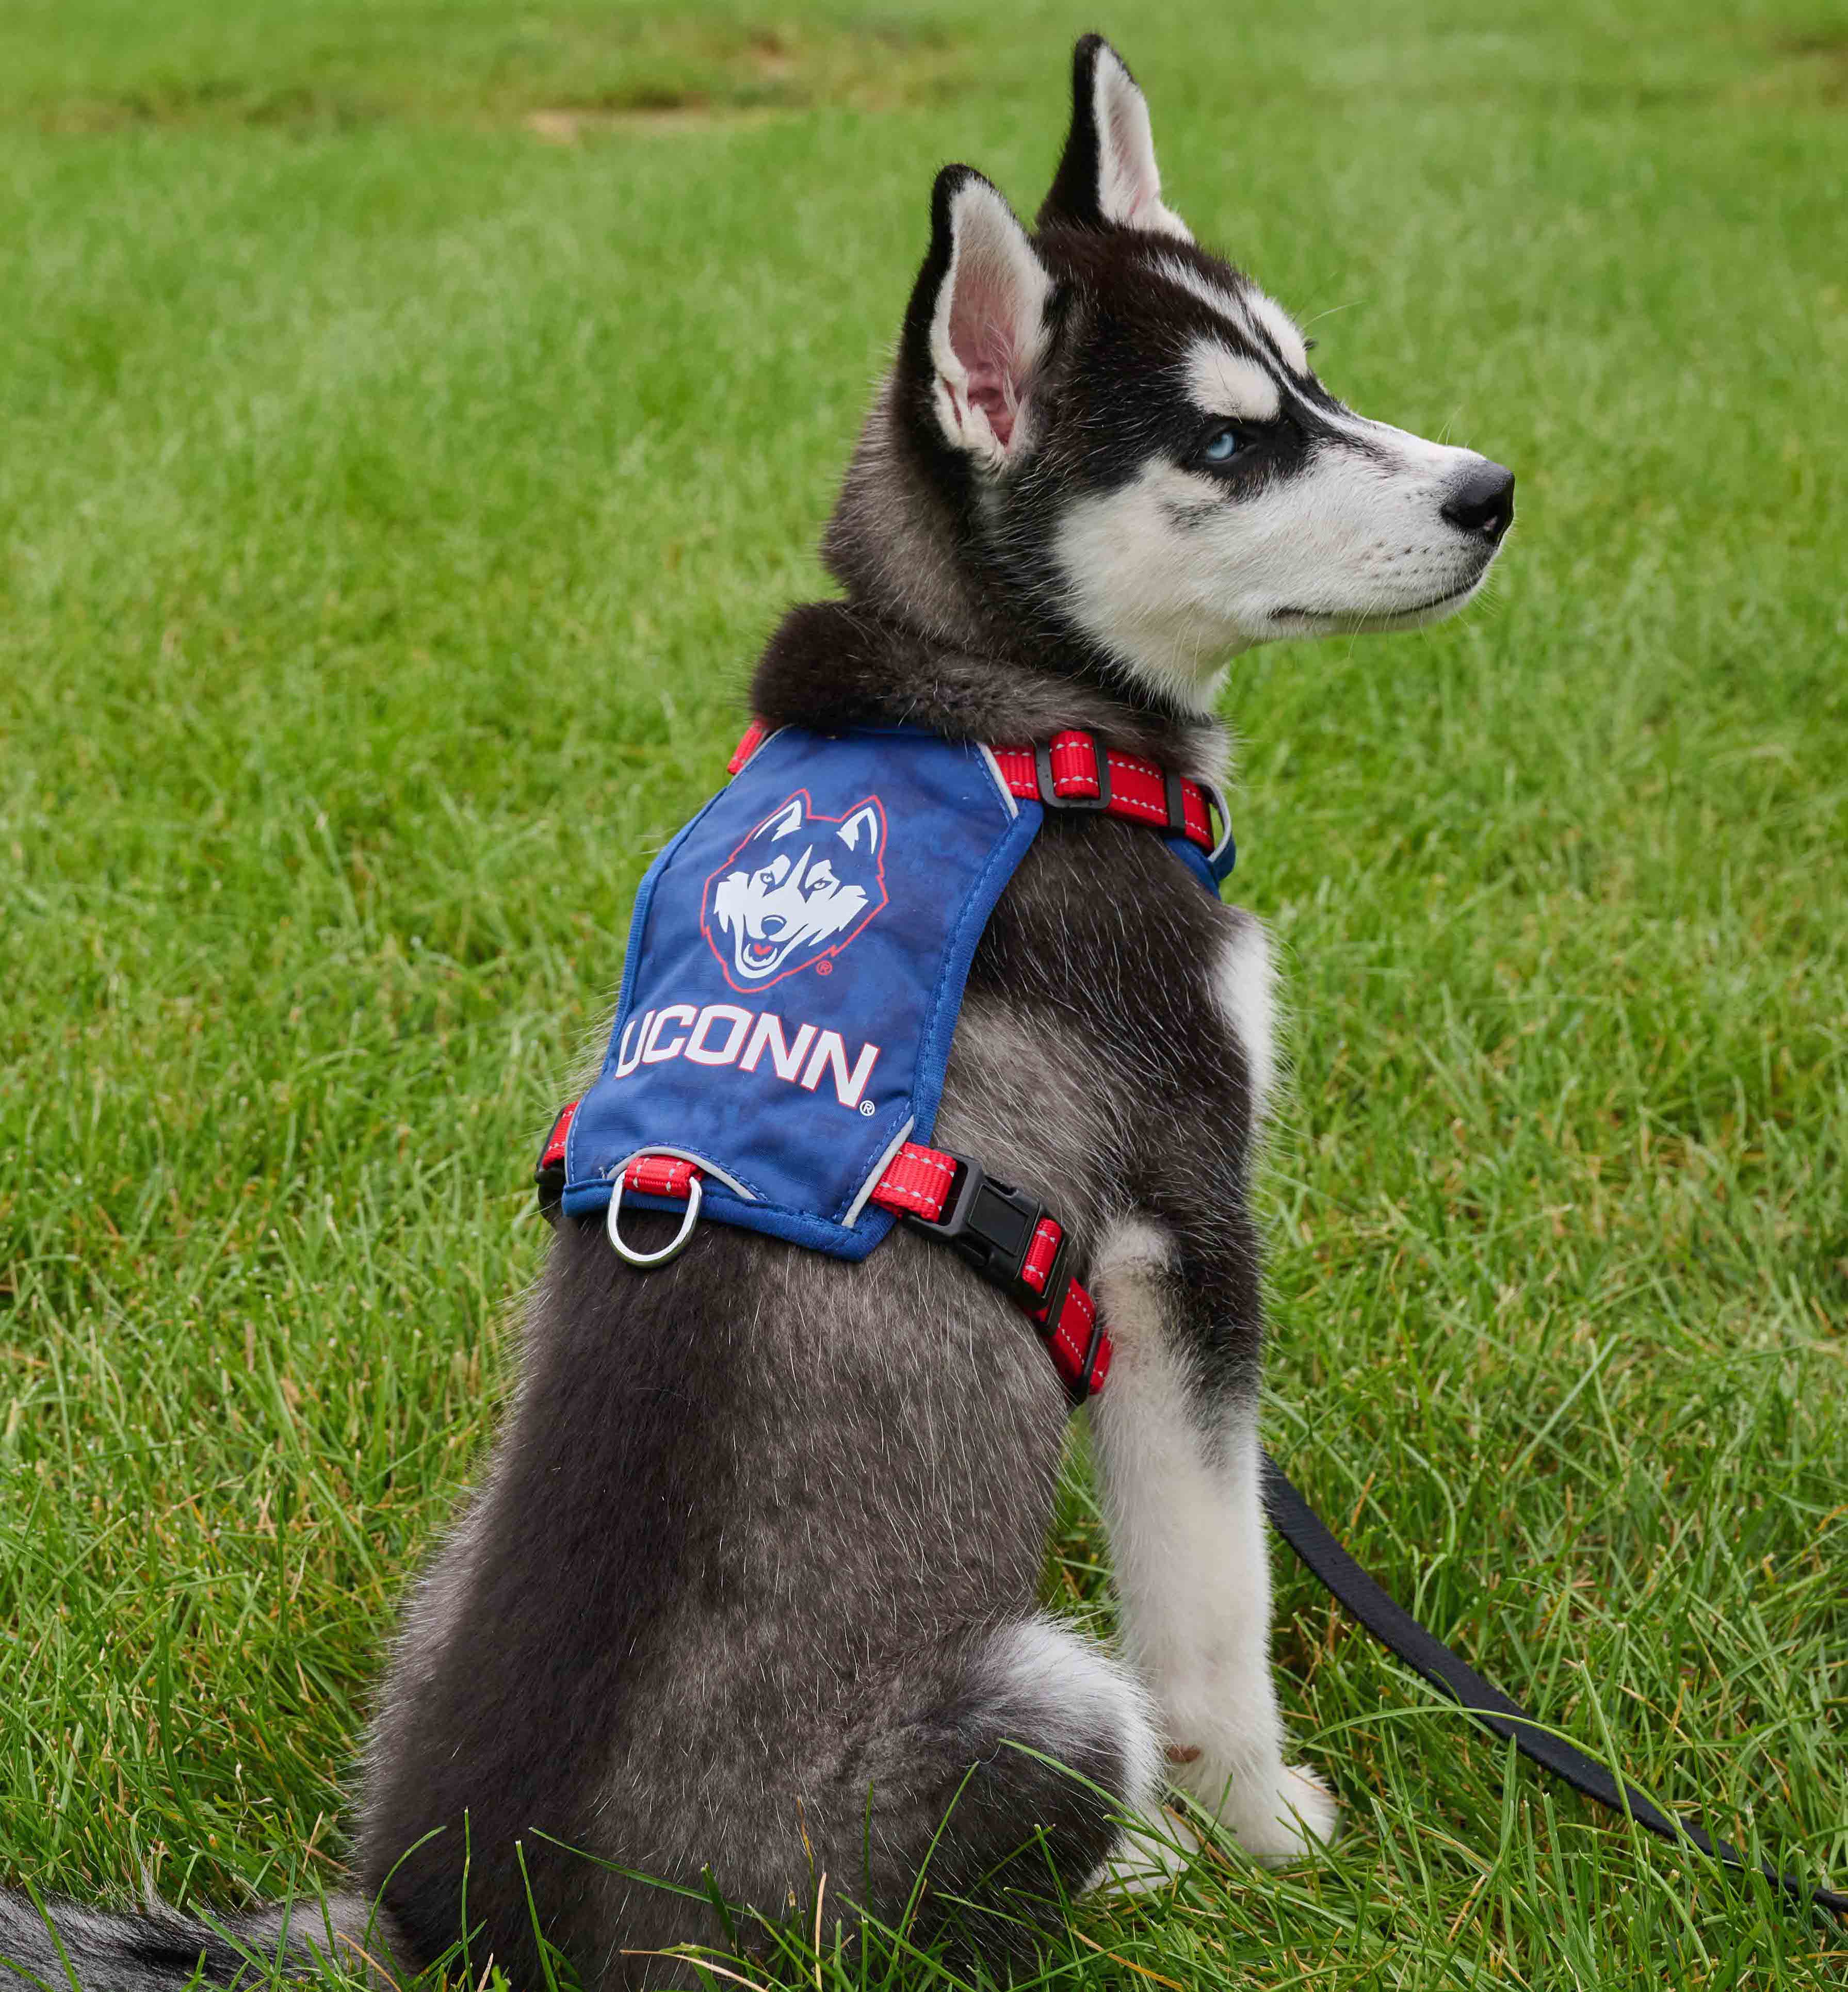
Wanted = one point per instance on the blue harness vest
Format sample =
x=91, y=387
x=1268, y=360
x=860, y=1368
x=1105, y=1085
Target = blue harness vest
x=794, y=972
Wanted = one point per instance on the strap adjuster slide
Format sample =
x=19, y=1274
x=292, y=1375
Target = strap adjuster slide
x=1050, y=796
x=1176, y=798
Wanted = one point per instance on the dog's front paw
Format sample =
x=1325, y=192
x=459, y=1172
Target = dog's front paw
x=1282, y=1815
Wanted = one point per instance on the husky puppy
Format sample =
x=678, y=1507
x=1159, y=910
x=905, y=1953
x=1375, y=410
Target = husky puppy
x=748, y=1596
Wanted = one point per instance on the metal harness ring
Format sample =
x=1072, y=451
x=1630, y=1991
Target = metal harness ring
x=1215, y=800
x=674, y=1244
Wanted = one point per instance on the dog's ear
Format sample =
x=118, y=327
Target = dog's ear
x=976, y=331
x=1107, y=177
x=860, y=833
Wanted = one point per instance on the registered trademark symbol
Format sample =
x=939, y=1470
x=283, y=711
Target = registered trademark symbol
x=866, y=1108
x=824, y=968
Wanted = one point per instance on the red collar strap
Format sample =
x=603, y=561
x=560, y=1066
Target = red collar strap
x=1010, y=1240
x=1075, y=771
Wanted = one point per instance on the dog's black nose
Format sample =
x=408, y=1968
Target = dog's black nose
x=1483, y=501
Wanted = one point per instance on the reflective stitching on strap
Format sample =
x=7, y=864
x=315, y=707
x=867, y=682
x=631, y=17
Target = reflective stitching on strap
x=1074, y=765
x=917, y=1180
x=1139, y=786
x=1076, y=1336
x=659, y=1175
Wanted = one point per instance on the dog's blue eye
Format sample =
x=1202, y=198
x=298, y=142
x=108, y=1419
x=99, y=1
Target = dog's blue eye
x=1222, y=446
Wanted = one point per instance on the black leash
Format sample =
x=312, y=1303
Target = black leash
x=1399, y=1632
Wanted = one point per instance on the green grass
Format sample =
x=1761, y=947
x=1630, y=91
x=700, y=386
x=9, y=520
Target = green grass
x=414, y=416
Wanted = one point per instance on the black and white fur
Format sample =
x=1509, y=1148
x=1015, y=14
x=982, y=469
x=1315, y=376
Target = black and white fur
x=750, y=1588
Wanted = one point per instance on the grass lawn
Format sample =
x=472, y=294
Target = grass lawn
x=416, y=413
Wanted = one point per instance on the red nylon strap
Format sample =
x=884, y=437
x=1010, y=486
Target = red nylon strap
x=1073, y=1336
x=753, y=737
x=1139, y=787
x=660, y=1175
x=1041, y=1252
x=553, y=1155
x=918, y=1180
x=1067, y=1339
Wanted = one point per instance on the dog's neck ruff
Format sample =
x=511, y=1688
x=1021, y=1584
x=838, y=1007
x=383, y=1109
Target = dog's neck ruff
x=795, y=970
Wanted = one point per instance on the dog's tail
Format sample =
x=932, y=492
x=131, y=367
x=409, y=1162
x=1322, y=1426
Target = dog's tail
x=62, y=1947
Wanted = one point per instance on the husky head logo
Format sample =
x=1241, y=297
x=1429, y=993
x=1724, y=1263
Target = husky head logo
x=796, y=891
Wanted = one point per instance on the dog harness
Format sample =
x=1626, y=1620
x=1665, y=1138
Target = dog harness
x=795, y=969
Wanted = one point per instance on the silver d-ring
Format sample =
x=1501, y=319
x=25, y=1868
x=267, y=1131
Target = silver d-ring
x=674, y=1245
x=1215, y=797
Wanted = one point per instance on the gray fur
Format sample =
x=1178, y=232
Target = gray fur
x=159, y=1949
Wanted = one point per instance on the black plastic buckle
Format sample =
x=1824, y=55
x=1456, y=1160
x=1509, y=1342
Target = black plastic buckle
x=1049, y=797
x=991, y=1224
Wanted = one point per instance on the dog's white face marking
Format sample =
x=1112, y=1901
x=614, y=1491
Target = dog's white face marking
x=1220, y=298
x=1134, y=582
x=1175, y=573
x=1312, y=521
x=1246, y=309
x=1277, y=324
x=1225, y=382
x=1155, y=467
